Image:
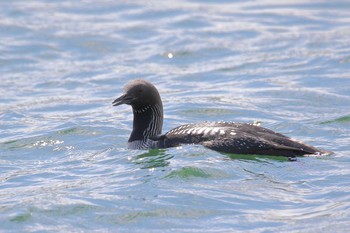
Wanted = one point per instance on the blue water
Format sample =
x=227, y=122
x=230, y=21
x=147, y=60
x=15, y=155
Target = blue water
x=63, y=158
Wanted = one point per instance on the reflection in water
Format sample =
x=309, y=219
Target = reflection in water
x=191, y=172
x=153, y=158
x=258, y=158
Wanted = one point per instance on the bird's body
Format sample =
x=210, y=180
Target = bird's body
x=227, y=137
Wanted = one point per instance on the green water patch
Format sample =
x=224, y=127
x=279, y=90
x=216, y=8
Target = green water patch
x=343, y=119
x=59, y=210
x=258, y=157
x=28, y=143
x=77, y=131
x=12, y=144
x=174, y=212
x=190, y=172
x=21, y=217
x=153, y=158
x=15, y=144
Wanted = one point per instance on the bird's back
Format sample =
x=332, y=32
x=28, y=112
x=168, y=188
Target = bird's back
x=238, y=138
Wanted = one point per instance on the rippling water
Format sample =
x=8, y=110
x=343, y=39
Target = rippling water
x=63, y=157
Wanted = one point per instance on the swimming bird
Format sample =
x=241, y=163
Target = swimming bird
x=226, y=137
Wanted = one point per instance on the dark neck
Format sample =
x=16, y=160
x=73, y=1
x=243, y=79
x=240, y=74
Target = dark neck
x=148, y=122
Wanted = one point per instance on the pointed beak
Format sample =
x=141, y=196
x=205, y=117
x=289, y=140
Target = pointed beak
x=124, y=99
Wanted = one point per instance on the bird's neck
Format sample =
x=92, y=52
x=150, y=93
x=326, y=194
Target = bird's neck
x=148, y=122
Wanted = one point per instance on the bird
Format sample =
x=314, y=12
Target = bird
x=221, y=136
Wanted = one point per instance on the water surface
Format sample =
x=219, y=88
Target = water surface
x=63, y=157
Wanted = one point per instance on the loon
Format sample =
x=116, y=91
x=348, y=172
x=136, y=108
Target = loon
x=226, y=137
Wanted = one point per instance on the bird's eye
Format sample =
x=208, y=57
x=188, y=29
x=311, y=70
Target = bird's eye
x=140, y=91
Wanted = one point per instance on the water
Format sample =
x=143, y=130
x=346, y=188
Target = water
x=63, y=157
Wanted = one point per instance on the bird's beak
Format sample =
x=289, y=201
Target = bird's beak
x=124, y=99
